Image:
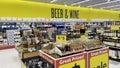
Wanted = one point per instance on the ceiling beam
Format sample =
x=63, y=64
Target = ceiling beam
x=115, y=9
x=108, y=7
x=52, y=1
x=79, y=2
x=108, y=2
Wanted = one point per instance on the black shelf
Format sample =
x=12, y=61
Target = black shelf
x=114, y=48
x=115, y=59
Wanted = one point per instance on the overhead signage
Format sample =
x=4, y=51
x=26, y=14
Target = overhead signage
x=64, y=13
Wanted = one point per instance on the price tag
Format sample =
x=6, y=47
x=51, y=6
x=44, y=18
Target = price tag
x=115, y=27
x=60, y=38
x=99, y=58
x=69, y=33
x=84, y=37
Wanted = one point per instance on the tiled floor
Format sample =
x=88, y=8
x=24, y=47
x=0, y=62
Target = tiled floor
x=9, y=59
x=114, y=64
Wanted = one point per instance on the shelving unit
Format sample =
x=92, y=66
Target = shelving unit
x=17, y=38
x=112, y=39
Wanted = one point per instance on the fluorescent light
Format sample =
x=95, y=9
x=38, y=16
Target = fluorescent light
x=103, y=3
x=53, y=1
x=111, y=6
x=80, y=2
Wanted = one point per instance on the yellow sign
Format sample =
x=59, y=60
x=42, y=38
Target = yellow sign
x=60, y=38
x=115, y=27
x=69, y=33
x=100, y=61
x=84, y=37
x=26, y=8
x=76, y=64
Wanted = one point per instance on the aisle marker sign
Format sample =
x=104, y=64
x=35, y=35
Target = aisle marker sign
x=98, y=58
x=60, y=38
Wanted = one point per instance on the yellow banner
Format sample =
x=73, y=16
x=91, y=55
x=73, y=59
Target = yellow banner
x=31, y=9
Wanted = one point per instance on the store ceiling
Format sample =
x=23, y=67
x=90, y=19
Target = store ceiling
x=102, y=4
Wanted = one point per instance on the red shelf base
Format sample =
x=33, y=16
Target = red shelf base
x=6, y=47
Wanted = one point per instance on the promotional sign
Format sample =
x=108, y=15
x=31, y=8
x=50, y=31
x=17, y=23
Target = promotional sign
x=76, y=61
x=115, y=27
x=72, y=61
x=98, y=58
x=61, y=38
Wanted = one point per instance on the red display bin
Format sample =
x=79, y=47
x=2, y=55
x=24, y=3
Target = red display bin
x=98, y=58
x=72, y=61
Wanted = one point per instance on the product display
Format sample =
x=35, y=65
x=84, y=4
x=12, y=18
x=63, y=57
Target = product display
x=36, y=62
x=60, y=33
x=62, y=49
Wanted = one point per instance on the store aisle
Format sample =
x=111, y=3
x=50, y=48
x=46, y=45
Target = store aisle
x=114, y=64
x=9, y=59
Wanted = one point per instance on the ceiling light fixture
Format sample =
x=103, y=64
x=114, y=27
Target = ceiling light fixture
x=103, y=3
x=52, y=1
x=80, y=2
x=110, y=6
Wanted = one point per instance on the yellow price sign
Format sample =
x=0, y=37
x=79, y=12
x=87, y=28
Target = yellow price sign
x=69, y=33
x=60, y=38
x=115, y=27
x=99, y=59
x=84, y=36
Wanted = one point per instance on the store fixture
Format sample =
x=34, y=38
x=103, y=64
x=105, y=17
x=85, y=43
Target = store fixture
x=45, y=35
x=111, y=39
x=7, y=34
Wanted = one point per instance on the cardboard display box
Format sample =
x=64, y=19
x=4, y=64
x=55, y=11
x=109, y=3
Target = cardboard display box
x=72, y=61
x=98, y=58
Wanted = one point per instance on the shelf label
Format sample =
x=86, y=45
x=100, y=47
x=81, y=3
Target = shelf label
x=98, y=59
x=115, y=27
x=84, y=37
x=60, y=38
x=76, y=61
